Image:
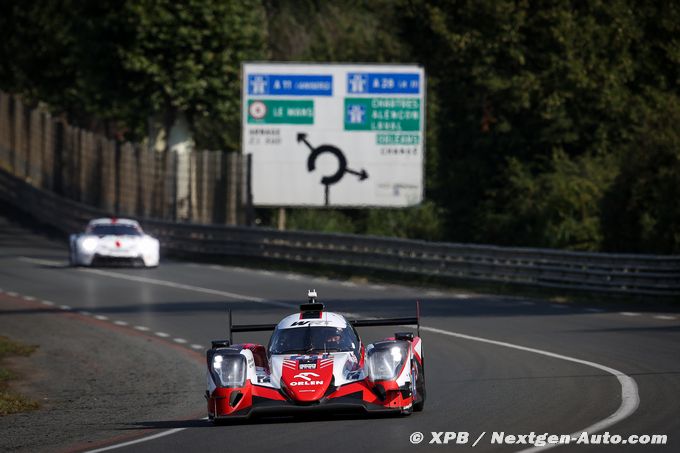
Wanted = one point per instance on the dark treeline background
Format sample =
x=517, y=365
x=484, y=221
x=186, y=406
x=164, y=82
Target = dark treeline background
x=550, y=123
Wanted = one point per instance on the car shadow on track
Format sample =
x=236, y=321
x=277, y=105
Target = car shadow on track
x=270, y=420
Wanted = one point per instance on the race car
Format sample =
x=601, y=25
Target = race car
x=315, y=361
x=113, y=241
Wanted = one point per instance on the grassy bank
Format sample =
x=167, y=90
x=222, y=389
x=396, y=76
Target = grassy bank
x=10, y=402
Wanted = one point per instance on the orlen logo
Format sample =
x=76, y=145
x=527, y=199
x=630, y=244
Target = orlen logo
x=308, y=379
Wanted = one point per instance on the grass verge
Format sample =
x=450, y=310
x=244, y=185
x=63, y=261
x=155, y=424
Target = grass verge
x=10, y=402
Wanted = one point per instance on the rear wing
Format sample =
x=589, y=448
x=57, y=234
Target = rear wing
x=377, y=322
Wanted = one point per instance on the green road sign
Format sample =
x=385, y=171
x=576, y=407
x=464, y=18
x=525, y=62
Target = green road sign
x=397, y=139
x=382, y=114
x=274, y=111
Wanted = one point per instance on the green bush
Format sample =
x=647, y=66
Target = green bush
x=556, y=203
x=642, y=209
x=324, y=220
x=419, y=222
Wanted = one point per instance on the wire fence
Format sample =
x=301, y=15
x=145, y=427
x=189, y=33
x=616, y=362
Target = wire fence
x=122, y=178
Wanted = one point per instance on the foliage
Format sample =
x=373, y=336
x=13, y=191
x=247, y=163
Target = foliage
x=419, y=222
x=12, y=348
x=126, y=62
x=186, y=56
x=345, y=31
x=10, y=402
x=556, y=205
x=327, y=220
x=642, y=213
x=521, y=79
x=549, y=123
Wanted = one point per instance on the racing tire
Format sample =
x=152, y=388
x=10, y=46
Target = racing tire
x=419, y=404
x=72, y=257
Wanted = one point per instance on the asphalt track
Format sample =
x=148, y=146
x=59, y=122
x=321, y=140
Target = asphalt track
x=473, y=386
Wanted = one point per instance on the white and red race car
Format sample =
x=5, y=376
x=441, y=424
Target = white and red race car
x=315, y=360
x=113, y=241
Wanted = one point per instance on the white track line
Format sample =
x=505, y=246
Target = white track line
x=41, y=262
x=629, y=313
x=630, y=399
x=198, y=289
x=137, y=441
x=665, y=317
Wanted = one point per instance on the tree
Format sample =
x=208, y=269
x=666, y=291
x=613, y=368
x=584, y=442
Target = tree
x=131, y=61
x=641, y=209
x=186, y=57
x=556, y=203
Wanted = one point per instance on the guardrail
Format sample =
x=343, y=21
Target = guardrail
x=594, y=272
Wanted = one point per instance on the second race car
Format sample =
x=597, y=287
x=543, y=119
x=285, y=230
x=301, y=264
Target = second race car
x=113, y=241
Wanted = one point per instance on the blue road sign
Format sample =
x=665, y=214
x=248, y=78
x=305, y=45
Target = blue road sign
x=382, y=83
x=290, y=85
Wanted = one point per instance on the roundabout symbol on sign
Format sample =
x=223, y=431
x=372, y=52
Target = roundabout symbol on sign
x=334, y=178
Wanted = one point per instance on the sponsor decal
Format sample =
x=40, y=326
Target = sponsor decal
x=307, y=366
x=308, y=378
x=312, y=322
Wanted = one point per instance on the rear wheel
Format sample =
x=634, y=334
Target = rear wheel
x=419, y=401
x=72, y=257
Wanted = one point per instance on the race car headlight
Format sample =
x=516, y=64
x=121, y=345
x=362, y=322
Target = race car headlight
x=89, y=244
x=386, y=360
x=229, y=370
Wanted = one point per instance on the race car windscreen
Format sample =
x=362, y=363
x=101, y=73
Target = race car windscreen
x=114, y=230
x=305, y=340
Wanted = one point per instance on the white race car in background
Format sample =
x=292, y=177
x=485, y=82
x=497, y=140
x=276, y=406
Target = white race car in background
x=113, y=241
